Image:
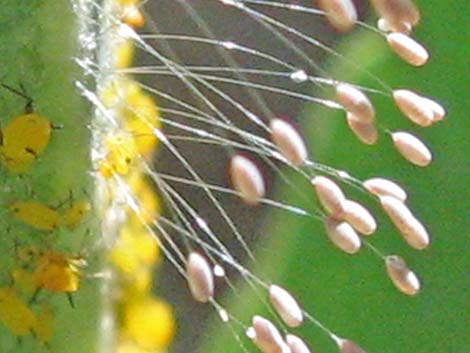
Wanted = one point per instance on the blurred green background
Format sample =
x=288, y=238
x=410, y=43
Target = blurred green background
x=352, y=294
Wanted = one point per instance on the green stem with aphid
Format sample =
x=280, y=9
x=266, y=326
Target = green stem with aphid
x=39, y=42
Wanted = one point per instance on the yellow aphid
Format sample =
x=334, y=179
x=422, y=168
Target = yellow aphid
x=144, y=137
x=135, y=248
x=130, y=101
x=121, y=153
x=144, y=245
x=57, y=272
x=124, y=54
x=105, y=169
x=132, y=16
x=138, y=283
x=43, y=328
x=114, y=95
x=14, y=314
x=137, y=110
x=141, y=117
x=149, y=322
x=147, y=199
x=35, y=214
x=143, y=132
x=24, y=139
x=75, y=214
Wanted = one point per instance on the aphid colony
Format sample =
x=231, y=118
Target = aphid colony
x=43, y=217
x=130, y=13
x=23, y=311
x=37, y=271
x=143, y=322
x=40, y=270
x=146, y=322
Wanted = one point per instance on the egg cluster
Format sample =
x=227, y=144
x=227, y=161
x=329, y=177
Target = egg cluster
x=131, y=234
x=205, y=111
